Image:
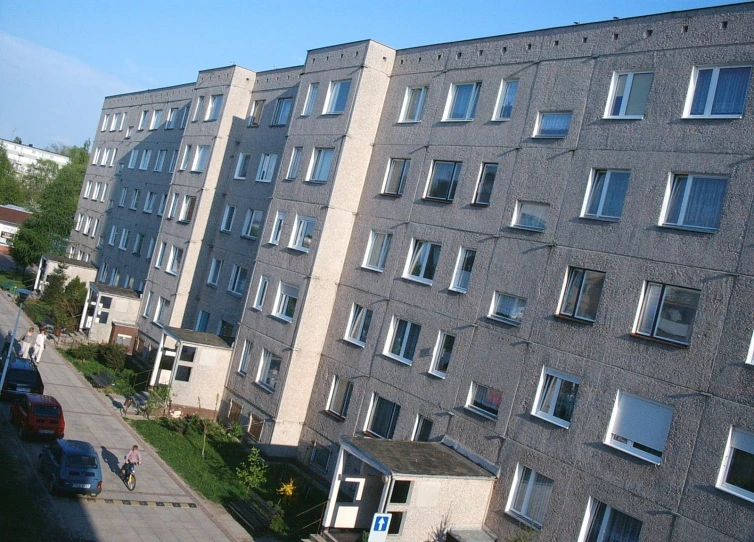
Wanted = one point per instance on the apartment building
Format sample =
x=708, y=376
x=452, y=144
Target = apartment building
x=485, y=287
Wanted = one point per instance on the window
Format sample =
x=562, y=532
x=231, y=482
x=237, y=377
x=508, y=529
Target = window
x=413, y=104
x=96, y=155
x=266, y=167
x=256, y=425
x=319, y=171
x=261, y=292
x=112, y=158
x=227, y=223
x=255, y=112
x=188, y=208
x=340, y=396
x=737, y=470
x=100, y=188
x=717, y=92
x=129, y=131
x=556, y=397
x=462, y=100
x=160, y=255
x=484, y=401
x=87, y=225
x=150, y=248
x=199, y=104
x=175, y=260
x=184, y=117
x=667, y=312
x=443, y=352
x=506, y=99
x=88, y=189
x=201, y=321
x=529, y=496
x=628, y=96
x=282, y=112
x=553, y=124
x=530, y=215
x=320, y=456
x=125, y=235
x=377, y=249
x=135, y=199
x=215, y=104
x=581, y=295
x=243, y=166
x=105, y=121
x=172, y=115
x=201, y=158
x=269, y=370
x=160, y=162
x=106, y=156
x=605, y=194
x=148, y=305
x=462, y=274
x=694, y=202
x=337, y=97
x=422, y=261
x=382, y=418
x=131, y=159
x=295, y=163
x=185, y=159
x=301, y=239
x=277, y=228
x=149, y=202
x=143, y=119
x=639, y=427
x=443, y=180
x=423, y=429
x=252, y=224
x=603, y=523
x=358, y=325
x=395, y=179
x=123, y=196
x=402, y=339
x=311, y=98
x=214, y=271
x=113, y=235
x=156, y=119
x=239, y=278
x=484, y=184
x=285, y=305
x=508, y=309
x=163, y=305
x=173, y=205
x=94, y=227
x=79, y=221
x=243, y=366
x=161, y=206
x=138, y=242
x=173, y=160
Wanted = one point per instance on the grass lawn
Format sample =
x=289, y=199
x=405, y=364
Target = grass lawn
x=124, y=379
x=214, y=476
x=18, y=278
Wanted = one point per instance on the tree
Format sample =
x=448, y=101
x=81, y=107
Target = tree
x=11, y=189
x=47, y=230
x=36, y=177
x=253, y=471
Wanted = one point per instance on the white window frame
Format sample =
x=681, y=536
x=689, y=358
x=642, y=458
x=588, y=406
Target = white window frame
x=160, y=255
x=514, y=317
x=383, y=248
x=266, y=169
x=401, y=338
x=603, y=534
x=520, y=211
x=374, y=404
x=741, y=440
x=239, y=279
x=242, y=167
x=123, y=196
x=339, y=398
x=462, y=275
x=199, y=104
x=105, y=122
x=395, y=176
x=434, y=182
x=650, y=417
x=439, y=366
x=534, y=483
x=358, y=324
x=484, y=408
x=282, y=114
x=654, y=301
x=143, y=119
x=336, y=103
x=173, y=161
x=578, y=280
x=488, y=170
x=188, y=209
x=295, y=164
x=229, y=216
x=174, y=260
x=88, y=189
x=163, y=203
x=172, y=116
x=625, y=98
x=264, y=283
x=311, y=98
x=303, y=233
x=132, y=159
x=689, y=180
x=252, y=221
x=149, y=202
x=215, y=105
x=413, y=105
x=470, y=110
x=150, y=248
x=185, y=159
x=148, y=305
x=113, y=235
x=156, y=119
x=125, y=235
x=135, y=199
x=419, y=254
x=711, y=91
x=277, y=228
x=255, y=112
x=215, y=269
x=506, y=99
x=173, y=205
x=317, y=172
x=547, y=398
x=159, y=163
x=601, y=183
x=542, y=118
x=201, y=159
x=243, y=364
x=286, y=295
x=265, y=366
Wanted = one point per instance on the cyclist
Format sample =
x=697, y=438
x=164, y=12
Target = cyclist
x=132, y=458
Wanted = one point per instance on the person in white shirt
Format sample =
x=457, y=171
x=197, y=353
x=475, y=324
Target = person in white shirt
x=39, y=346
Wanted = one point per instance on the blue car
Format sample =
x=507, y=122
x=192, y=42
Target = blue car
x=71, y=466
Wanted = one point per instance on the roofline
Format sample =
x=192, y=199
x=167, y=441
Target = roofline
x=160, y=89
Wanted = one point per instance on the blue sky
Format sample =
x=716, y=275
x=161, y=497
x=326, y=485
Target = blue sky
x=60, y=58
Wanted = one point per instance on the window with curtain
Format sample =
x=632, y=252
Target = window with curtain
x=530, y=215
x=383, y=417
x=605, y=194
x=603, y=523
x=553, y=124
x=422, y=261
x=718, y=92
x=581, y=297
x=402, y=340
x=556, y=397
x=529, y=496
x=695, y=202
x=483, y=400
x=667, y=312
x=462, y=101
x=507, y=308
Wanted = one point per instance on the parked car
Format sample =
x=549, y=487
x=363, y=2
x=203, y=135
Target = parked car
x=38, y=415
x=22, y=378
x=71, y=466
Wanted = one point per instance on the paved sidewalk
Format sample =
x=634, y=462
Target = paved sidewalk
x=161, y=508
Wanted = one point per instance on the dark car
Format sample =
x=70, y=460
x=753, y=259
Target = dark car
x=71, y=466
x=21, y=378
x=38, y=415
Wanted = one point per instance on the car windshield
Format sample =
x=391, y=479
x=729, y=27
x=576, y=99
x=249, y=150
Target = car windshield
x=30, y=378
x=47, y=410
x=84, y=461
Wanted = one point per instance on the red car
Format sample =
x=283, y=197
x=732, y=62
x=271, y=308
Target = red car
x=38, y=415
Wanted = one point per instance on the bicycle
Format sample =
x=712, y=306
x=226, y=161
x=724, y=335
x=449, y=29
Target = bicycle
x=128, y=475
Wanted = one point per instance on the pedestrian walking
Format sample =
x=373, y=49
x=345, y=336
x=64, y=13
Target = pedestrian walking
x=39, y=346
x=6, y=344
x=26, y=343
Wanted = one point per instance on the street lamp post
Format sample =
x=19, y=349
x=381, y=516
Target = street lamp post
x=23, y=294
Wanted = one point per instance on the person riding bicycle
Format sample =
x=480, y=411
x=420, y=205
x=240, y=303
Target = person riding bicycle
x=132, y=458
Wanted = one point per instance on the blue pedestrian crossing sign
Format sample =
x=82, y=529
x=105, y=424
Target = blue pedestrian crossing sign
x=380, y=524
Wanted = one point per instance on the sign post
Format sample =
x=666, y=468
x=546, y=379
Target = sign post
x=380, y=524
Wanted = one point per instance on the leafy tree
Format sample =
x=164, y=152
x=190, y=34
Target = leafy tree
x=61, y=302
x=59, y=148
x=253, y=471
x=17, y=140
x=11, y=189
x=35, y=178
x=47, y=230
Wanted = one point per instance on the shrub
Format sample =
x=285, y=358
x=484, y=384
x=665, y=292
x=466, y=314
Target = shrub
x=253, y=471
x=113, y=355
x=84, y=351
